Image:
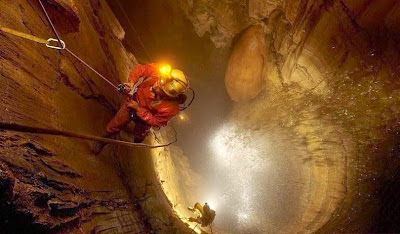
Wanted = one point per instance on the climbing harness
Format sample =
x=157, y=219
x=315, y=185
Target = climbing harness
x=62, y=46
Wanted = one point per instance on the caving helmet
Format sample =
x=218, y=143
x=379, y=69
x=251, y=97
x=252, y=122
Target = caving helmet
x=173, y=81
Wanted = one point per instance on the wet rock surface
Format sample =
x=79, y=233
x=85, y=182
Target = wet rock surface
x=330, y=76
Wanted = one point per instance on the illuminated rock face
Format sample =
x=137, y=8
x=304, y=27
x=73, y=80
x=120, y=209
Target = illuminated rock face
x=331, y=70
x=243, y=77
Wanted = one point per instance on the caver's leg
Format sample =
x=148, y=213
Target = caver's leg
x=140, y=131
x=120, y=120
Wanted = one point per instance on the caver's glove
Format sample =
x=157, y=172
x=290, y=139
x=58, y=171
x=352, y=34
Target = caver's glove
x=124, y=88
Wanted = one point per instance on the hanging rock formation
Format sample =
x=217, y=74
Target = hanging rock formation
x=243, y=79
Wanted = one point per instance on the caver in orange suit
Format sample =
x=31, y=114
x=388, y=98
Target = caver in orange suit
x=153, y=110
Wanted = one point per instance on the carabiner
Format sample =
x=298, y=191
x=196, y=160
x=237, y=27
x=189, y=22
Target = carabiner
x=55, y=47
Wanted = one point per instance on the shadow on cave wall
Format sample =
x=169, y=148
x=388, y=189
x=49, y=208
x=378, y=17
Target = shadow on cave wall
x=387, y=219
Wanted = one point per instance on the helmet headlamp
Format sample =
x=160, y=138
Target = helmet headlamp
x=165, y=70
x=172, y=81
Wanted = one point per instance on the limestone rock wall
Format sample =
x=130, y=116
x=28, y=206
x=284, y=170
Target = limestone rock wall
x=55, y=184
x=331, y=78
x=152, y=183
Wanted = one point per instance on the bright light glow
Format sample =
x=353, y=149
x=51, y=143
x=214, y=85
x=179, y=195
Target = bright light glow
x=166, y=70
x=212, y=203
x=243, y=217
x=183, y=118
x=233, y=146
x=241, y=158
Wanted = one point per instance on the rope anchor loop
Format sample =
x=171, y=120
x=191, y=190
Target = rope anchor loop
x=50, y=40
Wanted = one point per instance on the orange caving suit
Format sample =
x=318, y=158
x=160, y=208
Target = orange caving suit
x=153, y=110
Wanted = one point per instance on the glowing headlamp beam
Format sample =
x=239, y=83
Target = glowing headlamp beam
x=166, y=70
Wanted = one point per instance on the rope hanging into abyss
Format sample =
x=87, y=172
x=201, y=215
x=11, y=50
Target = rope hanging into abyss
x=38, y=130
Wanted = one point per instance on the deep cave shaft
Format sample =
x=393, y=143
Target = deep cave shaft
x=294, y=128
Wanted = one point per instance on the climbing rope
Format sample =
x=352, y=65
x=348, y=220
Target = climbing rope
x=69, y=51
x=134, y=30
x=50, y=22
x=91, y=68
x=46, y=131
x=194, y=229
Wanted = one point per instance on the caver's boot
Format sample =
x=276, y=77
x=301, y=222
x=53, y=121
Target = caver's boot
x=99, y=146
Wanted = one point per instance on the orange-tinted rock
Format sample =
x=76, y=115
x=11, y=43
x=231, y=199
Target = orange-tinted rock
x=55, y=183
x=261, y=9
x=331, y=70
x=64, y=15
x=243, y=79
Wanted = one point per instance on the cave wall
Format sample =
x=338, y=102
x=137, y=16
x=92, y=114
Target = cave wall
x=52, y=183
x=330, y=74
x=308, y=41
x=153, y=179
